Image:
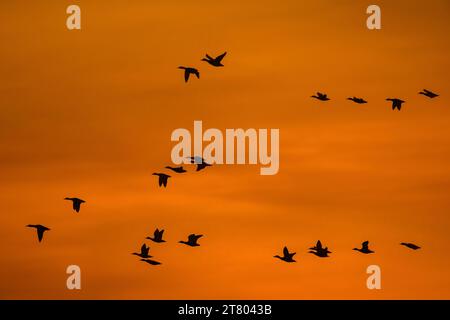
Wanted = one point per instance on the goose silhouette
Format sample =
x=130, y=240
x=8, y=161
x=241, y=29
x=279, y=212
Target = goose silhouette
x=357, y=100
x=319, y=251
x=40, y=230
x=176, y=169
x=287, y=256
x=365, y=248
x=152, y=262
x=200, y=162
x=192, y=240
x=428, y=93
x=188, y=71
x=410, y=245
x=157, y=236
x=321, y=96
x=216, y=62
x=396, y=103
x=162, y=181
x=318, y=247
x=76, y=203
x=144, y=252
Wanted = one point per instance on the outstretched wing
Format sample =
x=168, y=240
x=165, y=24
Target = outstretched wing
x=365, y=245
x=219, y=58
x=40, y=233
x=186, y=75
x=194, y=237
x=76, y=205
x=319, y=245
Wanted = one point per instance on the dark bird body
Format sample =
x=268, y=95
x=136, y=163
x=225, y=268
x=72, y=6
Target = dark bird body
x=152, y=262
x=192, y=240
x=76, y=203
x=176, y=169
x=428, y=93
x=287, y=256
x=188, y=71
x=357, y=100
x=319, y=250
x=216, y=62
x=157, y=236
x=321, y=96
x=144, y=252
x=410, y=245
x=396, y=103
x=162, y=181
x=40, y=230
x=365, y=248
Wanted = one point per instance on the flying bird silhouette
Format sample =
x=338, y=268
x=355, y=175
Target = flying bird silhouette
x=157, y=236
x=176, y=169
x=319, y=251
x=410, y=245
x=192, y=240
x=216, y=62
x=162, y=179
x=200, y=162
x=428, y=93
x=321, y=96
x=76, y=203
x=188, y=71
x=144, y=252
x=365, y=248
x=40, y=230
x=357, y=100
x=152, y=262
x=396, y=103
x=287, y=256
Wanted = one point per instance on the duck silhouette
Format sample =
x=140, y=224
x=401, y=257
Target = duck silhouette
x=216, y=62
x=76, y=203
x=200, y=162
x=188, y=71
x=365, y=248
x=396, y=103
x=319, y=251
x=157, y=236
x=321, y=96
x=428, y=93
x=287, y=256
x=176, y=169
x=192, y=240
x=162, y=179
x=144, y=252
x=357, y=100
x=410, y=245
x=152, y=262
x=40, y=230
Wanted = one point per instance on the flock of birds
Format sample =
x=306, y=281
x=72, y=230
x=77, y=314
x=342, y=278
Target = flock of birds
x=396, y=103
x=201, y=164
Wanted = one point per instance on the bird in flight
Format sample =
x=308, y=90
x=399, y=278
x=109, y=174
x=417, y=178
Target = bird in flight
x=40, y=230
x=319, y=251
x=410, y=245
x=157, y=236
x=428, y=93
x=365, y=248
x=188, y=71
x=216, y=62
x=357, y=100
x=200, y=162
x=287, y=256
x=321, y=96
x=396, y=103
x=76, y=203
x=144, y=252
x=162, y=179
x=152, y=262
x=176, y=169
x=192, y=240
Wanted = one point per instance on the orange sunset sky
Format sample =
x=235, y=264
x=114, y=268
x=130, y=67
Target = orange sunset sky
x=89, y=113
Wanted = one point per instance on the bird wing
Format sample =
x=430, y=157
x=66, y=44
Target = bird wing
x=209, y=57
x=286, y=252
x=40, y=233
x=144, y=249
x=186, y=75
x=76, y=205
x=197, y=73
x=219, y=58
x=365, y=245
x=194, y=237
x=319, y=245
x=160, y=181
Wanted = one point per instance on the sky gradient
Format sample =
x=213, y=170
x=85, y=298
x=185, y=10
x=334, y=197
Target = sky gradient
x=89, y=114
